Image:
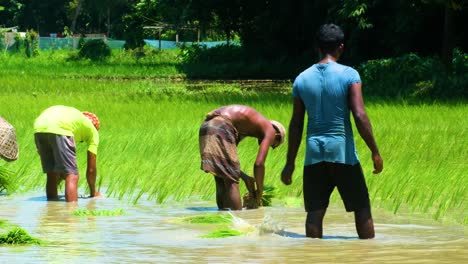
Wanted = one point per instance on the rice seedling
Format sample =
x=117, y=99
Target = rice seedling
x=223, y=232
x=19, y=236
x=207, y=219
x=269, y=193
x=87, y=212
x=149, y=139
x=5, y=175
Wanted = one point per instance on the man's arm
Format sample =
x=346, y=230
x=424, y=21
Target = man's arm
x=91, y=174
x=259, y=166
x=296, y=126
x=249, y=182
x=363, y=124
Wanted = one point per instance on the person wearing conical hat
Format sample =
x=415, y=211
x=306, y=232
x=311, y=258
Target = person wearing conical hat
x=56, y=131
x=8, y=144
x=221, y=131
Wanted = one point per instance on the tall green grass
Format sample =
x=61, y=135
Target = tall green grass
x=149, y=140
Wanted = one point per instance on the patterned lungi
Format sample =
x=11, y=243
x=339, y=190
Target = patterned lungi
x=218, y=140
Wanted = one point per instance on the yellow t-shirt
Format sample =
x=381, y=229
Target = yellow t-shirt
x=68, y=121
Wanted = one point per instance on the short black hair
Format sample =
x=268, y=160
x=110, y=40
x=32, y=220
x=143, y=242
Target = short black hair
x=329, y=37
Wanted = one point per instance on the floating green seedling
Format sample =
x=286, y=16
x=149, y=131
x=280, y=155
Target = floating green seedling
x=208, y=219
x=86, y=212
x=223, y=232
x=19, y=236
x=4, y=178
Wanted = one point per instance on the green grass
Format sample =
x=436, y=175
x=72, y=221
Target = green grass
x=86, y=212
x=53, y=64
x=149, y=137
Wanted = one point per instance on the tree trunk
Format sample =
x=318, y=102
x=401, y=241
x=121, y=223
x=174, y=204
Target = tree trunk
x=108, y=22
x=75, y=17
x=448, y=37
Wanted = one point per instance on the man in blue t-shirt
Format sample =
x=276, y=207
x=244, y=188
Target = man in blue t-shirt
x=329, y=91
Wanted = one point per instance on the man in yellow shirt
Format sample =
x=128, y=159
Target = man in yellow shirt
x=55, y=132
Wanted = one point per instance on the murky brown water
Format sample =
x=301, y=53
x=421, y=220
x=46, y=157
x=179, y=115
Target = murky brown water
x=146, y=234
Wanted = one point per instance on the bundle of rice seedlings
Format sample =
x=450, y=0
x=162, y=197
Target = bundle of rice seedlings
x=223, y=232
x=86, y=212
x=19, y=236
x=208, y=219
x=269, y=192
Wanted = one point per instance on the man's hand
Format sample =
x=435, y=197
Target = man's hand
x=286, y=174
x=258, y=197
x=378, y=163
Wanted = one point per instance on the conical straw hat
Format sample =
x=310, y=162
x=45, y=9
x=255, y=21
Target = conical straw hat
x=8, y=145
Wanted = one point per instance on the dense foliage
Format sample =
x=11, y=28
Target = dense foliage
x=268, y=29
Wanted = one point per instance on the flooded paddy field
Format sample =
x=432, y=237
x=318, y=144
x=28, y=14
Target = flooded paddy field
x=148, y=233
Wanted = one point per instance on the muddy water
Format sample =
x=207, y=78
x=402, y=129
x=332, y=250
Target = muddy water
x=147, y=233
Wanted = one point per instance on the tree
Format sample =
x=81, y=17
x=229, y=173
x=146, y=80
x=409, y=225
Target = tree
x=75, y=5
x=452, y=9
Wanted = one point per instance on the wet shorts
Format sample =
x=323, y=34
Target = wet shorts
x=321, y=178
x=57, y=152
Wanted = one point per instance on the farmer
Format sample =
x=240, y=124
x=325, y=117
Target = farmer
x=219, y=135
x=328, y=91
x=56, y=131
x=8, y=144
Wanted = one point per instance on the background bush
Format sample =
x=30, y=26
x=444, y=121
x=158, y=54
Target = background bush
x=95, y=50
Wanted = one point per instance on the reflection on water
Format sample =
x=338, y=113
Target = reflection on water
x=147, y=234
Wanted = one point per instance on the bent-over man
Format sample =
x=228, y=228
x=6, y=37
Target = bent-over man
x=219, y=136
x=56, y=131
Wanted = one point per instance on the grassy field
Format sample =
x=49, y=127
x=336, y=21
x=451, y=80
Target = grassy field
x=149, y=136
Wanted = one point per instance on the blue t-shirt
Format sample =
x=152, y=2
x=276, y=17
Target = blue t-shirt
x=324, y=90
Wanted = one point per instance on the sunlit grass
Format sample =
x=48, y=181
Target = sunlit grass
x=149, y=142
x=5, y=176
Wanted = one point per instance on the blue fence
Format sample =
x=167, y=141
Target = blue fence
x=46, y=43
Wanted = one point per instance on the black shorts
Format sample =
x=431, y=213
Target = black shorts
x=320, y=179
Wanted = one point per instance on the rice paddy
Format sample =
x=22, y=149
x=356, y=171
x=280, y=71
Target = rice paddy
x=149, y=139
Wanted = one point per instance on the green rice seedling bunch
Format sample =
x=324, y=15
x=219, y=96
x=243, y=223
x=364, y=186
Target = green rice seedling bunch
x=269, y=193
x=208, y=219
x=19, y=236
x=424, y=161
x=87, y=212
x=223, y=232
